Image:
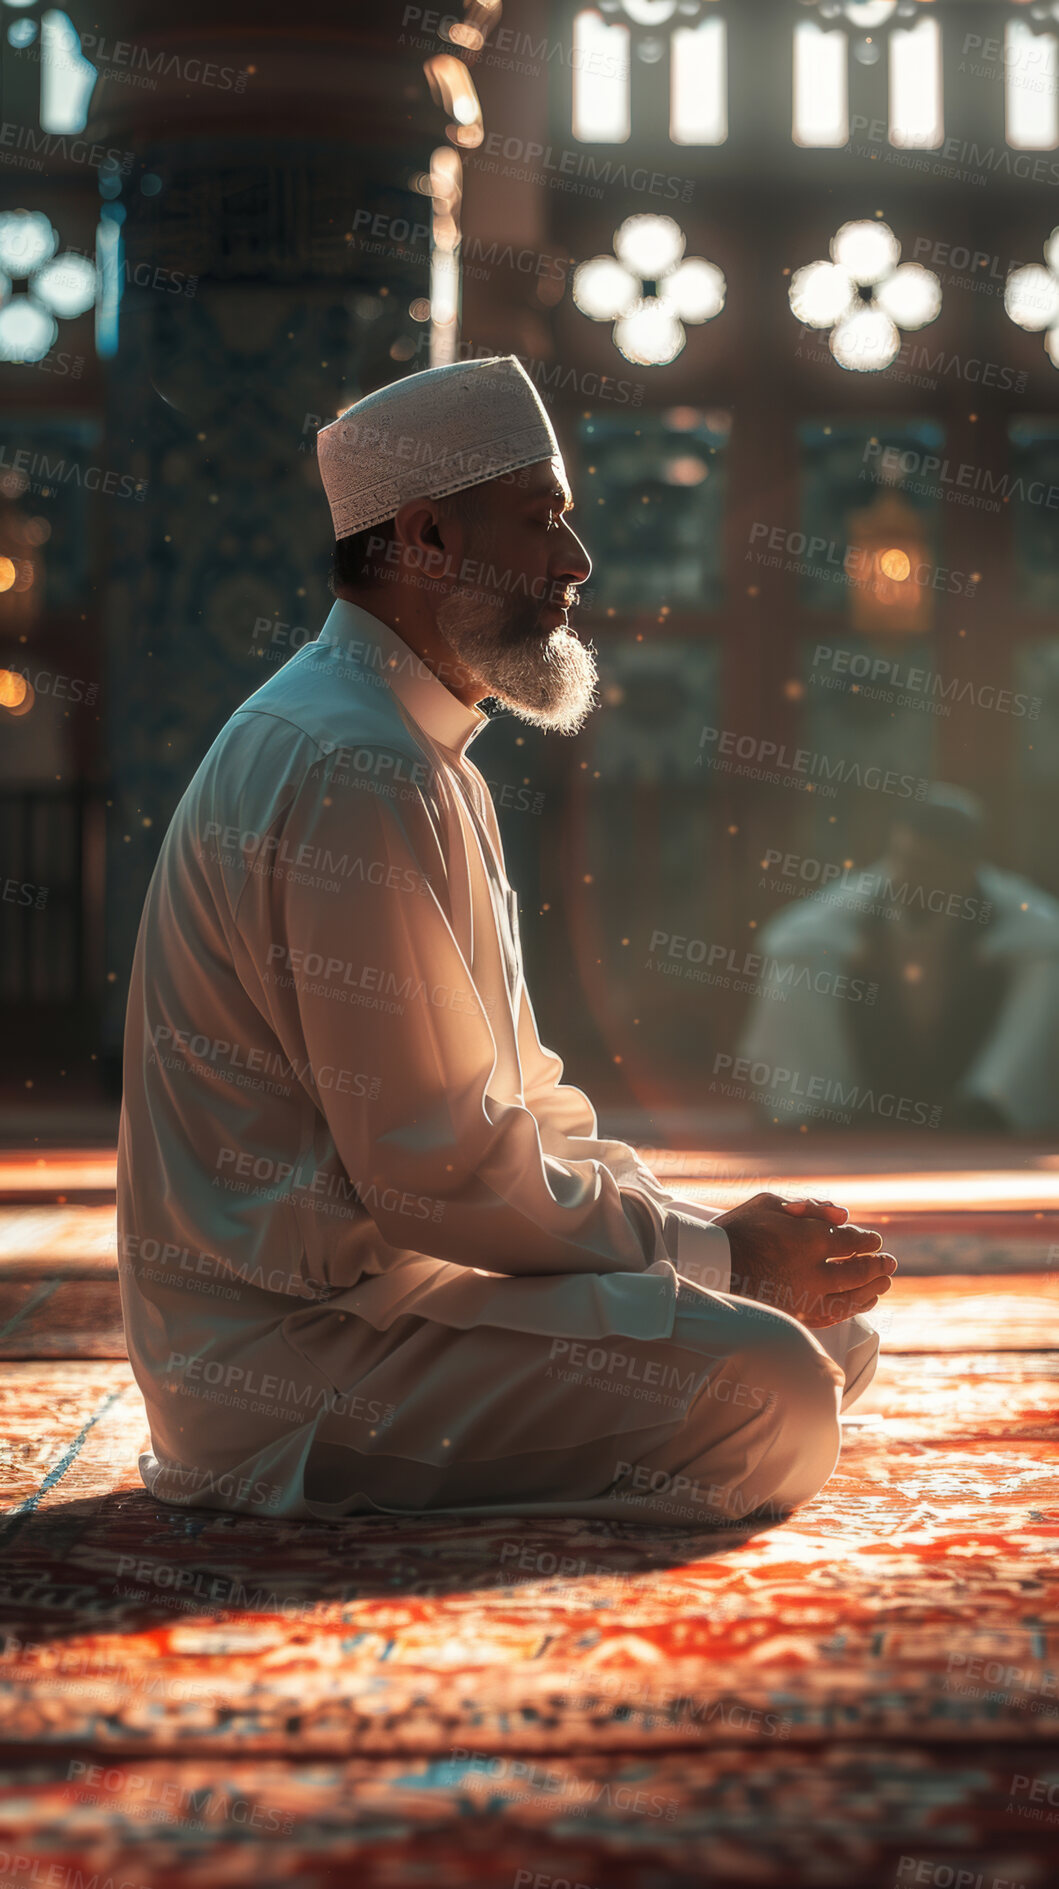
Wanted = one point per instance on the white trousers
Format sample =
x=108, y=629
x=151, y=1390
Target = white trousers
x=734, y=1415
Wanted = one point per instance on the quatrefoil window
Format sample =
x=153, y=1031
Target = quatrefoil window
x=58, y=287
x=865, y=295
x=649, y=289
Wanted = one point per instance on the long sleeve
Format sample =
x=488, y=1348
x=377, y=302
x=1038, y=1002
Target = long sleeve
x=370, y=980
x=697, y=1247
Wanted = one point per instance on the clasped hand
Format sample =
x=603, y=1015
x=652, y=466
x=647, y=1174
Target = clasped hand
x=804, y=1258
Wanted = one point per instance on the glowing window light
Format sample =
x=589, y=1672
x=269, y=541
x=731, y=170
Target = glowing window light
x=821, y=86
x=27, y=330
x=63, y=285
x=1031, y=296
x=694, y=290
x=865, y=341
x=686, y=470
x=27, y=240
x=600, y=59
x=453, y=89
x=867, y=293
x=649, y=245
x=698, y=83
x=109, y=273
x=911, y=296
x=67, y=78
x=443, y=286
x=66, y=285
x=868, y=250
x=650, y=12
x=1031, y=88
x=445, y=185
x=603, y=289
x=916, y=118
x=648, y=329
x=821, y=293
x=651, y=336
x=868, y=13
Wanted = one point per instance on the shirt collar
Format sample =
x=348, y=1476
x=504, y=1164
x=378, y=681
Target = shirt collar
x=437, y=711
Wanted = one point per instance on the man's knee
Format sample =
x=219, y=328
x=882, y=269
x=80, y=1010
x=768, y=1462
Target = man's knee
x=809, y=1390
x=773, y=1379
x=801, y=1376
x=802, y=1387
x=774, y=1362
x=859, y=1355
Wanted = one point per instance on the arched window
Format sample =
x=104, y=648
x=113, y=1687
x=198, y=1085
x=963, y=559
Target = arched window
x=833, y=38
x=1031, y=75
x=610, y=39
x=50, y=39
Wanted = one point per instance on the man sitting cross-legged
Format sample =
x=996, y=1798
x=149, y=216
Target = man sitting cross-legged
x=375, y=1254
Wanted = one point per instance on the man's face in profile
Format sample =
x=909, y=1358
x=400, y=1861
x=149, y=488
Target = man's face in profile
x=507, y=617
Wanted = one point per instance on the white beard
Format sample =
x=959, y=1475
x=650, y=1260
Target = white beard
x=548, y=681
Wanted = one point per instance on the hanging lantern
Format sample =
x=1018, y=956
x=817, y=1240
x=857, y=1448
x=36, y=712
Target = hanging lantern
x=886, y=560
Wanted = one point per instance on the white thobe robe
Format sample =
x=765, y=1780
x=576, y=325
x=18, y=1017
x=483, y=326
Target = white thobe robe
x=338, y=1118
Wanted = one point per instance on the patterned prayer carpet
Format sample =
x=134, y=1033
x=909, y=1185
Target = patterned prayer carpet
x=844, y=1817
x=868, y=1695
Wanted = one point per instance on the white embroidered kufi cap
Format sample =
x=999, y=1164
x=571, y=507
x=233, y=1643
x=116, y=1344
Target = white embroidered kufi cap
x=430, y=434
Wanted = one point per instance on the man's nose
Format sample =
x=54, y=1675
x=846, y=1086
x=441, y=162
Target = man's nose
x=573, y=562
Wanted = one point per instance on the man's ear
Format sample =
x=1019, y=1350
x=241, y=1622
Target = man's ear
x=425, y=535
